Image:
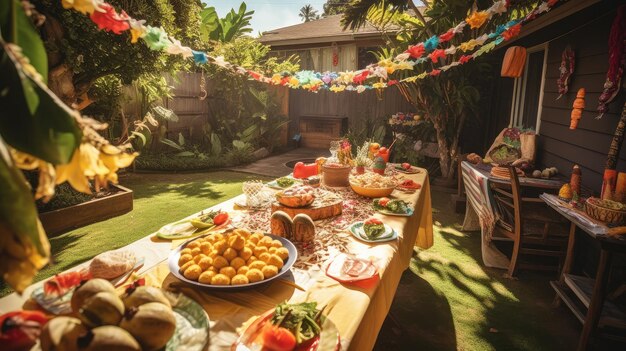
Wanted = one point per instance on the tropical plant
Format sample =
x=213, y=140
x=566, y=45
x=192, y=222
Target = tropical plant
x=38, y=131
x=335, y=7
x=233, y=25
x=79, y=53
x=308, y=13
x=450, y=100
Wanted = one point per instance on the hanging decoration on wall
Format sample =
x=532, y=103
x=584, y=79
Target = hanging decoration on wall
x=335, y=54
x=578, y=106
x=609, y=179
x=617, y=61
x=566, y=69
x=374, y=76
x=513, y=62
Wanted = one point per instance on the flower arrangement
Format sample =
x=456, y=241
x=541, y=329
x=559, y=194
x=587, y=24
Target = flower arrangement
x=362, y=159
x=405, y=119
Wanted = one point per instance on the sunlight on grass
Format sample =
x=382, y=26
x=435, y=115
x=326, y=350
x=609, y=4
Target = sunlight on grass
x=158, y=199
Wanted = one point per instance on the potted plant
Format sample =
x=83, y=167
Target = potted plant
x=362, y=160
x=336, y=169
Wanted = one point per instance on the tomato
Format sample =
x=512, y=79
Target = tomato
x=373, y=221
x=220, y=218
x=383, y=201
x=406, y=166
x=278, y=338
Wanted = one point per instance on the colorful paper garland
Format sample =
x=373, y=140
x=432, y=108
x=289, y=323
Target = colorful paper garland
x=107, y=18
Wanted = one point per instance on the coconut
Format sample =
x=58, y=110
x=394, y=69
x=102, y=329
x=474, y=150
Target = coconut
x=152, y=324
x=61, y=334
x=135, y=297
x=89, y=289
x=108, y=338
x=103, y=308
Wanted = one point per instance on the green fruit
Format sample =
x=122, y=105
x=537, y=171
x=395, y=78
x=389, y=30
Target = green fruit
x=152, y=324
x=61, y=334
x=108, y=338
x=103, y=308
x=142, y=295
x=89, y=289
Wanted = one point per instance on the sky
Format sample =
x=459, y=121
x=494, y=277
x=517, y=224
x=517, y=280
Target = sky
x=268, y=14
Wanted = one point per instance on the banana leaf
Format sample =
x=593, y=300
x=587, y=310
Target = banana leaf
x=24, y=247
x=34, y=120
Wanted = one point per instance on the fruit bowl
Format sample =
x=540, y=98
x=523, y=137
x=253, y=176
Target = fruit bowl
x=371, y=192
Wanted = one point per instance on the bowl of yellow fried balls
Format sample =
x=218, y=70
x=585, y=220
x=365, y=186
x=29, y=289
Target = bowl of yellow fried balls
x=234, y=259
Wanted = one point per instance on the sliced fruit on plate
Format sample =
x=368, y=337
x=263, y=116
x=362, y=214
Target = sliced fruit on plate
x=60, y=284
x=348, y=268
x=409, y=184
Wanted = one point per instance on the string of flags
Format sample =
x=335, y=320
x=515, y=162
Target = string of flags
x=374, y=76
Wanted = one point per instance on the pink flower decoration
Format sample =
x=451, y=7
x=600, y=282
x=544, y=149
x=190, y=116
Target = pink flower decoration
x=437, y=54
x=416, y=51
x=360, y=78
x=465, y=59
x=447, y=36
x=512, y=32
x=110, y=20
x=435, y=72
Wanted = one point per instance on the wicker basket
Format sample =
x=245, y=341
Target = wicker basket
x=606, y=215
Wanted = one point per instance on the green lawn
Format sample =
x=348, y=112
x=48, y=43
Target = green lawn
x=158, y=200
x=449, y=300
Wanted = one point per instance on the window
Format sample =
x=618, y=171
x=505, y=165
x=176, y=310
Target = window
x=528, y=89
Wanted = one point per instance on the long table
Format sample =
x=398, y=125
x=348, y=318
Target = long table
x=358, y=312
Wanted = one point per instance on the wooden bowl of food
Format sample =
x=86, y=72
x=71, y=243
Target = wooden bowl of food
x=607, y=211
x=371, y=192
x=372, y=185
x=297, y=196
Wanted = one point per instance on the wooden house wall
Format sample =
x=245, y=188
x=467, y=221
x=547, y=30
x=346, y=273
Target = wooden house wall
x=587, y=33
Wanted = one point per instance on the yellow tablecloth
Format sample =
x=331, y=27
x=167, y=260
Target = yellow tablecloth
x=357, y=312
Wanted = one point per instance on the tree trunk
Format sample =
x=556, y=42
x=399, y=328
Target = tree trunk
x=444, y=148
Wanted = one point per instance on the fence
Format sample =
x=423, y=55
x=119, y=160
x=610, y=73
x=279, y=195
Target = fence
x=194, y=112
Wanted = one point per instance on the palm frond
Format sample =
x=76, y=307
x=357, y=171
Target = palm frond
x=355, y=14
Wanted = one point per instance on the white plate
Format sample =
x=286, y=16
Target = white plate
x=357, y=231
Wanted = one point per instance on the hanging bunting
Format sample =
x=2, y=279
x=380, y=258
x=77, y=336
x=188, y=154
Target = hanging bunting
x=106, y=18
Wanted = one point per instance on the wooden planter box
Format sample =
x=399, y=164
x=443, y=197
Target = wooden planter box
x=64, y=219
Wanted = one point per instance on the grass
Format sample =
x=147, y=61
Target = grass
x=158, y=199
x=448, y=300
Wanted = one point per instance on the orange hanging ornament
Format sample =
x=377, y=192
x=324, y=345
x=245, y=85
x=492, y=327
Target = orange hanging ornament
x=579, y=105
x=513, y=62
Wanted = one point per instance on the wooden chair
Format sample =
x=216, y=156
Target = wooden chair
x=535, y=229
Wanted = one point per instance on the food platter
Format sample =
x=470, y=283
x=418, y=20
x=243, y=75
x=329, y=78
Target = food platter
x=412, y=170
x=329, y=339
x=409, y=213
x=275, y=184
x=192, y=325
x=175, y=256
x=357, y=231
x=184, y=229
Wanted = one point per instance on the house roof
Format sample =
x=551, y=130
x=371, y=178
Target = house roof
x=324, y=30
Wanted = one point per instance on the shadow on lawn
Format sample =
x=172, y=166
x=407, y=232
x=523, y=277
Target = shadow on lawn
x=199, y=185
x=449, y=300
